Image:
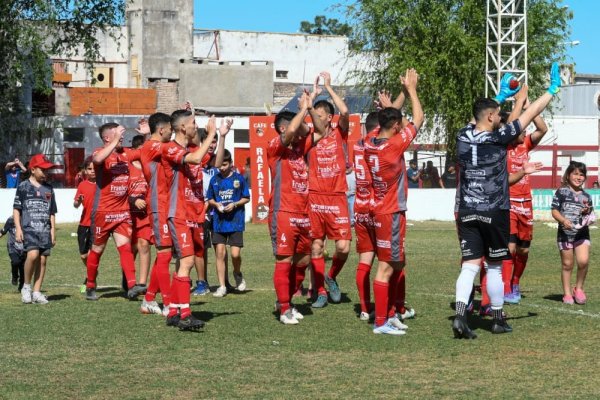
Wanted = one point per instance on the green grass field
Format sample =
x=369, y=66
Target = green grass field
x=72, y=348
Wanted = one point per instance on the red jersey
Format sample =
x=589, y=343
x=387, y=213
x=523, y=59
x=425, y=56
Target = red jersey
x=138, y=189
x=289, y=175
x=154, y=173
x=385, y=158
x=327, y=163
x=363, y=201
x=517, y=155
x=112, y=180
x=195, y=196
x=86, y=189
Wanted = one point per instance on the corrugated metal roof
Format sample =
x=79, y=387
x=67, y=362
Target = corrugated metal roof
x=580, y=100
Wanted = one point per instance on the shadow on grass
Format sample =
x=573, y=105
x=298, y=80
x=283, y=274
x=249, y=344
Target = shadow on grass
x=476, y=322
x=208, y=315
x=114, y=293
x=554, y=297
x=58, y=297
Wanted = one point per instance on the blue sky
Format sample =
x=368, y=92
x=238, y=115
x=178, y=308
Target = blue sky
x=285, y=16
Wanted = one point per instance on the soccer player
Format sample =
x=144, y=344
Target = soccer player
x=174, y=157
x=227, y=194
x=328, y=207
x=521, y=203
x=110, y=213
x=288, y=212
x=34, y=209
x=385, y=158
x=483, y=210
x=86, y=191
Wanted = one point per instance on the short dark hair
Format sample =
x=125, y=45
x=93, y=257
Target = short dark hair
x=281, y=117
x=88, y=160
x=158, y=119
x=504, y=116
x=226, y=156
x=482, y=105
x=137, y=141
x=413, y=161
x=573, y=165
x=107, y=126
x=178, y=115
x=388, y=117
x=372, y=121
x=325, y=105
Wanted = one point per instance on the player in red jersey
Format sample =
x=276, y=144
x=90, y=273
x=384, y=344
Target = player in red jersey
x=288, y=214
x=385, y=158
x=174, y=157
x=111, y=209
x=141, y=235
x=328, y=206
x=86, y=190
x=157, y=199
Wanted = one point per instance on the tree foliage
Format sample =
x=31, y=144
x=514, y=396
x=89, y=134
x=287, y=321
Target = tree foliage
x=33, y=30
x=325, y=26
x=445, y=41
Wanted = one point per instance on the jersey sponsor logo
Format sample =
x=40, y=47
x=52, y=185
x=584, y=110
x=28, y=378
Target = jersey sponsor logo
x=475, y=173
x=341, y=220
x=114, y=217
x=236, y=183
x=384, y=244
x=476, y=217
x=324, y=209
x=118, y=190
x=496, y=253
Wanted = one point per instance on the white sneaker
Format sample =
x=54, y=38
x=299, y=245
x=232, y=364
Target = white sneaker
x=220, y=292
x=365, y=316
x=288, y=318
x=38, y=298
x=395, y=322
x=150, y=307
x=26, y=295
x=165, y=311
x=239, y=282
x=297, y=314
x=408, y=314
x=388, y=329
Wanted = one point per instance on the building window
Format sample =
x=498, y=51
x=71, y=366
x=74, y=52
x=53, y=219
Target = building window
x=74, y=134
x=281, y=74
x=241, y=136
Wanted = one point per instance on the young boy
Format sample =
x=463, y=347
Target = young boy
x=15, y=252
x=228, y=193
x=33, y=212
x=86, y=190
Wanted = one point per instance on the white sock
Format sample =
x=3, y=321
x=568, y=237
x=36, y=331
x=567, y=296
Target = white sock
x=495, y=286
x=27, y=286
x=464, y=283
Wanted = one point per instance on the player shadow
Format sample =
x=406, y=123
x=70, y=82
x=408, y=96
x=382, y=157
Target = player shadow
x=115, y=293
x=58, y=297
x=209, y=315
x=554, y=297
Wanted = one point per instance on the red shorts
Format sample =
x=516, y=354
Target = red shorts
x=182, y=235
x=365, y=233
x=160, y=229
x=104, y=223
x=390, y=231
x=521, y=220
x=328, y=215
x=140, y=228
x=290, y=233
x=197, y=237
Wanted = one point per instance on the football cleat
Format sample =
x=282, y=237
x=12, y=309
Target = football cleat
x=334, y=290
x=190, y=323
x=461, y=329
x=388, y=329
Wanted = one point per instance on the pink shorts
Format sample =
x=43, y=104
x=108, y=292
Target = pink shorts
x=572, y=245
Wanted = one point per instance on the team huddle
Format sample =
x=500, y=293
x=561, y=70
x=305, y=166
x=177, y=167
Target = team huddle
x=158, y=193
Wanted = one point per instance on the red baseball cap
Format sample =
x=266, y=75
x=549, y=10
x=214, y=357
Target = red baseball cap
x=40, y=161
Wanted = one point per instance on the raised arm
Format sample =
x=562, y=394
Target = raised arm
x=103, y=153
x=410, y=81
x=223, y=131
x=528, y=168
x=540, y=104
x=297, y=125
x=197, y=156
x=344, y=120
x=519, y=105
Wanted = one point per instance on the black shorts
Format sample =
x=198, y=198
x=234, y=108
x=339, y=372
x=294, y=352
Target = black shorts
x=17, y=258
x=84, y=239
x=207, y=234
x=484, y=234
x=231, y=238
x=33, y=240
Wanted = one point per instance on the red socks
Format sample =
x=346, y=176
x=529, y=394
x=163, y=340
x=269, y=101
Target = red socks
x=507, y=269
x=300, y=275
x=319, y=275
x=183, y=294
x=152, y=284
x=93, y=261
x=174, y=296
x=401, y=292
x=520, y=264
x=127, y=264
x=291, y=279
x=336, y=266
x=392, y=289
x=380, y=291
x=163, y=275
x=281, y=281
x=364, y=286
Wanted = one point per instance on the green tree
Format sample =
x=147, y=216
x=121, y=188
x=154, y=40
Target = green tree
x=33, y=30
x=445, y=41
x=325, y=26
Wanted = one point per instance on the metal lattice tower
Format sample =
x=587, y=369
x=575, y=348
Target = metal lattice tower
x=506, y=42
